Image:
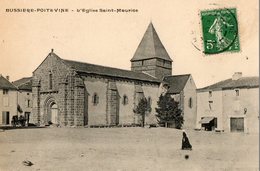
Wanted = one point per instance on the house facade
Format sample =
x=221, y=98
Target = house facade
x=15, y=99
x=230, y=105
x=24, y=94
x=183, y=89
x=8, y=100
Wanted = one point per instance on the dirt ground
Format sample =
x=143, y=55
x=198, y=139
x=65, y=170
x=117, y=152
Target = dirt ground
x=120, y=149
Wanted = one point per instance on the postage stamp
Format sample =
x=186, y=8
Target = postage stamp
x=220, y=31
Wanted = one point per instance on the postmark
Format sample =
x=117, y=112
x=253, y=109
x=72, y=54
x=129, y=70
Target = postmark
x=220, y=31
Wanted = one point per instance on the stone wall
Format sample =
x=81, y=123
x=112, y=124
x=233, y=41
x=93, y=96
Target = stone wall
x=67, y=90
x=96, y=111
x=151, y=91
x=111, y=110
x=73, y=93
x=35, y=117
x=127, y=89
x=79, y=102
x=155, y=67
x=189, y=110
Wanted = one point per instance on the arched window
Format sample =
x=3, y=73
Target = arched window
x=237, y=92
x=50, y=80
x=125, y=100
x=149, y=103
x=190, y=102
x=95, y=99
x=210, y=93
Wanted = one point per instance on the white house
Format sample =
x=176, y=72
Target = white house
x=229, y=105
x=8, y=100
x=15, y=99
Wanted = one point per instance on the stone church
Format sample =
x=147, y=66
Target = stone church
x=71, y=93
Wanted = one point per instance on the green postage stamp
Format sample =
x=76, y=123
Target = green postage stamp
x=220, y=31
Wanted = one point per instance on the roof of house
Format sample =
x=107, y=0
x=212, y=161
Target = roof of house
x=5, y=84
x=81, y=68
x=151, y=46
x=24, y=83
x=243, y=82
x=176, y=83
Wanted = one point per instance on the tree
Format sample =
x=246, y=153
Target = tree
x=142, y=108
x=168, y=111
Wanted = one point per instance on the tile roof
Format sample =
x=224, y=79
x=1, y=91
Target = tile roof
x=243, y=82
x=82, y=68
x=5, y=84
x=176, y=83
x=24, y=83
x=150, y=46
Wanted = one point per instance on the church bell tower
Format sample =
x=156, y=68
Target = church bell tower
x=151, y=57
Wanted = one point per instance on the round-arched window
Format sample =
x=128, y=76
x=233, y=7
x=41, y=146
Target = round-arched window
x=95, y=99
x=125, y=100
x=190, y=102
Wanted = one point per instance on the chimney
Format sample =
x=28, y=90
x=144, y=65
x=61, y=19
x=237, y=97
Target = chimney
x=7, y=77
x=237, y=75
x=52, y=50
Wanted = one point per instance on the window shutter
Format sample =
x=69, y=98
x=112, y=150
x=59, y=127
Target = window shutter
x=3, y=117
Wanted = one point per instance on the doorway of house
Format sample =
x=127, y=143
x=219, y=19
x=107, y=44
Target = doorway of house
x=5, y=118
x=237, y=124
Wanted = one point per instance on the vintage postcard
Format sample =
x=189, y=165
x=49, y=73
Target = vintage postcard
x=129, y=85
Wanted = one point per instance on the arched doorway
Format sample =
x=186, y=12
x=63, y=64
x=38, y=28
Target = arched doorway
x=54, y=113
x=51, y=112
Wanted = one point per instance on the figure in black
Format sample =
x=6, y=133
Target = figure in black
x=185, y=142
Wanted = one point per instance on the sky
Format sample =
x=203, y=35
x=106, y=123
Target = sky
x=110, y=38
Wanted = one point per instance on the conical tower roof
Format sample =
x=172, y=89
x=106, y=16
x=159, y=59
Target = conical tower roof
x=151, y=46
